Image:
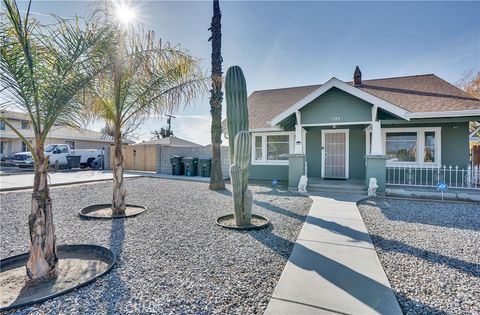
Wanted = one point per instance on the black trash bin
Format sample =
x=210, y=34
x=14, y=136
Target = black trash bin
x=177, y=165
x=73, y=161
x=205, y=167
x=191, y=165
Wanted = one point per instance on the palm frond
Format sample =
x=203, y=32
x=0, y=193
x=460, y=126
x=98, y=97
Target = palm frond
x=43, y=69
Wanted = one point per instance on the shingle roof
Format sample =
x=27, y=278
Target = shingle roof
x=418, y=93
x=265, y=105
x=171, y=141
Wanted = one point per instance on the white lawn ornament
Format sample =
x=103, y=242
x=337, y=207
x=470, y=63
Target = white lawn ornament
x=372, y=187
x=302, y=185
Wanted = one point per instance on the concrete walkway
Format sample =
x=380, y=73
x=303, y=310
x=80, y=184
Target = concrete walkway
x=25, y=181
x=333, y=268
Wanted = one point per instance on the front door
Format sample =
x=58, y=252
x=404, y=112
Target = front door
x=335, y=153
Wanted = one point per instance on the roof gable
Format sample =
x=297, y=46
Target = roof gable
x=336, y=106
x=334, y=82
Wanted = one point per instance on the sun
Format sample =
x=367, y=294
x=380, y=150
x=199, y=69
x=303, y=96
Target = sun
x=124, y=13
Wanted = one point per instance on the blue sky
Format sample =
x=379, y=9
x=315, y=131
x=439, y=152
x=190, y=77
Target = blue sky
x=282, y=43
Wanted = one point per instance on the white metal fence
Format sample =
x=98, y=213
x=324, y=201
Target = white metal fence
x=454, y=177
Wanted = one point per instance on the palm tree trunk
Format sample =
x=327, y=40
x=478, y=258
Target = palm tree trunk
x=42, y=261
x=216, y=177
x=119, y=191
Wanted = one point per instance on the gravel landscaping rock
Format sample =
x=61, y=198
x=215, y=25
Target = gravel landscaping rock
x=173, y=258
x=430, y=252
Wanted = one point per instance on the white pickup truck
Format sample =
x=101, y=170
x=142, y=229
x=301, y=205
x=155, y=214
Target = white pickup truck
x=58, y=152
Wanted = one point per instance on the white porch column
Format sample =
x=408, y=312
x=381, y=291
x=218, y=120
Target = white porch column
x=377, y=147
x=298, y=134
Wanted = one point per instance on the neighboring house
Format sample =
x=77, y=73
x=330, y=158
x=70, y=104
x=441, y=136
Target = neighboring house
x=360, y=129
x=10, y=143
x=171, y=141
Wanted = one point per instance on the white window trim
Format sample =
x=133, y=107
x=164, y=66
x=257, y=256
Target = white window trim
x=264, y=161
x=347, y=152
x=420, y=145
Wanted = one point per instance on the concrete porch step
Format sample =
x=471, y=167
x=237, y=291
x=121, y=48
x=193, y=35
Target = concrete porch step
x=350, y=186
x=343, y=190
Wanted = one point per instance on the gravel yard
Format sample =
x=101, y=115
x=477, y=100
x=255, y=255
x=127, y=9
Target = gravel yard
x=430, y=252
x=172, y=258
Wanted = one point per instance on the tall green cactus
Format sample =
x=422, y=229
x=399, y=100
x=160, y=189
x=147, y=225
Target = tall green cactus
x=240, y=142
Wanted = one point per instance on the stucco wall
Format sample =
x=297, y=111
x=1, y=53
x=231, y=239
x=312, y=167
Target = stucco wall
x=200, y=152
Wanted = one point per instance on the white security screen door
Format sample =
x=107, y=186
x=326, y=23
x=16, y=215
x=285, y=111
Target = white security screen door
x=335, y=154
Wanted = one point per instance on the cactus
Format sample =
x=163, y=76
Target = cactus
x=240, y=142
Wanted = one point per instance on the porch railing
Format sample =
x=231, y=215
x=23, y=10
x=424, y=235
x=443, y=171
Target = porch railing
x=454, y=177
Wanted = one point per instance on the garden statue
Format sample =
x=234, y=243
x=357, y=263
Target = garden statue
x=372, y=187
x=302, y=185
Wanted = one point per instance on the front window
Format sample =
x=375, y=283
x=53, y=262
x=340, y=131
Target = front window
x=258, y=149
x=401, y=146
x=272, y=148
x=429, y=151
x=24, y=147
x=25, y=124
x=2, y=125
x=415, y=146
x=278, y=147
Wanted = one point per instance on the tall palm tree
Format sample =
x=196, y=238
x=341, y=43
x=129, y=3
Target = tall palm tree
x=144, y=77
x=42, y=72
x=216, y=177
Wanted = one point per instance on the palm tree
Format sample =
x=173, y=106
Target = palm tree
x=144, y=77
x=216, y=177
x=42, y=72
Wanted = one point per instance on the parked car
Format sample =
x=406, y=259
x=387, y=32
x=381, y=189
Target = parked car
x=58, y=152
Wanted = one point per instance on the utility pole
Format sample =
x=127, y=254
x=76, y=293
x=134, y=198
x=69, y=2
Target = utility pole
x=169, y=122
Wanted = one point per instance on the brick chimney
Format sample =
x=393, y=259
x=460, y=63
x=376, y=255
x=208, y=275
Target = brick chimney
x=357, y=77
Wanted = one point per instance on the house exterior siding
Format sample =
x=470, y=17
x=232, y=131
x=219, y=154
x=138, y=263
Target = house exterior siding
x=268, y=172
x=336, y=106
x=454, y=145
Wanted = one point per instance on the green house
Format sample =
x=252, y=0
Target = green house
x=411, y=130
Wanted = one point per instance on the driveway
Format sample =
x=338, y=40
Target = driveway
x=25, y=181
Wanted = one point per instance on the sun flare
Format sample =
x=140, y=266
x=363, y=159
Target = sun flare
x=125, y=14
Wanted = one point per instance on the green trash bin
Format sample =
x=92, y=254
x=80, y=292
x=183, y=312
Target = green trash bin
x=73, y=161
x=191, y=166
x=177, y=165
x=205, y=167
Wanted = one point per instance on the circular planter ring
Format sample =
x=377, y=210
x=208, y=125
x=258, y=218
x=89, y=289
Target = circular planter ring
x=77, y=260
x=104, y=211
x=255, y=225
